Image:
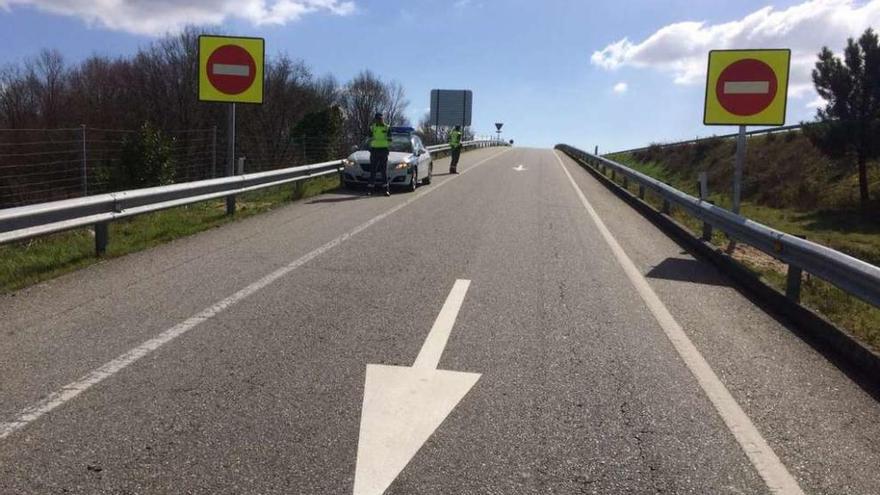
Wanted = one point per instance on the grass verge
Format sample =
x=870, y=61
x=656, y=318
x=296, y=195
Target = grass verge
x=26, y=263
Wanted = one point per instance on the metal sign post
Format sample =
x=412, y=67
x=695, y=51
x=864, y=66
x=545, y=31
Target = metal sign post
x=230, y=157
x=738, y=168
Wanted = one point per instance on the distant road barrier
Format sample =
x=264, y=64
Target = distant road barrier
x=27, y=222
x=852, y=275
x=772, y=130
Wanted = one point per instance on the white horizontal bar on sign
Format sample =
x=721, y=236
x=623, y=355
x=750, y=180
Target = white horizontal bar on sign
x=231, y=70
x=747, y=87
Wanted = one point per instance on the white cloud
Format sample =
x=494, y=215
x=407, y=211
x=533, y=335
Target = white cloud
x=620, y=88
x=153, y=17
x=681, y=49
x=816, y=103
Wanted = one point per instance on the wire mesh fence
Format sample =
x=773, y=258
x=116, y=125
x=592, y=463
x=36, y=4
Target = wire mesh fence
x=40, y=165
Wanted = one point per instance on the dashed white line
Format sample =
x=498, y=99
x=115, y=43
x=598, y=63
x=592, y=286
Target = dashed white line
x=761, y=455
x=72, y=390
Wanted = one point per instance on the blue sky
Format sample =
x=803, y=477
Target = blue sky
x=547, y=69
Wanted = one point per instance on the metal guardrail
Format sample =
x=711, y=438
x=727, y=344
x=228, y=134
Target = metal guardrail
x=27, y=222
x=852, y=275
x=772, y=130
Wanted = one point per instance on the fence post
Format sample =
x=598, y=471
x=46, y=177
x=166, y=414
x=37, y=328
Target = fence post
x=102, y=237
x=596, y=151
x=214, y=153
x=85, y=175
x=703, y=186
x=305, y=157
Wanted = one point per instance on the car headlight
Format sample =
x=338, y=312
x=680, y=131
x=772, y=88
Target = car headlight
x=401, y=166
x=348, y=163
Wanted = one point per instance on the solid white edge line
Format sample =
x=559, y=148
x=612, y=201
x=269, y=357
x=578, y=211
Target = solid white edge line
x=432, y=349
x=72, y=390
x=759, y=452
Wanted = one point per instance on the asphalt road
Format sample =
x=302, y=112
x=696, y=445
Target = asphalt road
x=235, y=361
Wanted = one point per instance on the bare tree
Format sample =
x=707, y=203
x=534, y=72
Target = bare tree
x=47, y=75
x=17, y=101
x=432, y=134
x=366, y=95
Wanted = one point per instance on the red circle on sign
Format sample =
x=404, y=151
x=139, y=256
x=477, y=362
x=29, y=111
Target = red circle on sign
x=231, y=69
x=746, y=87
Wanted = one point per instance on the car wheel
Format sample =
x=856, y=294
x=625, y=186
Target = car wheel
x=427, y=180
x=414, y=182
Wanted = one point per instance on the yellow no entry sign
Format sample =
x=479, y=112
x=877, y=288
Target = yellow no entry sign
x=747, y=87
x=231, y=69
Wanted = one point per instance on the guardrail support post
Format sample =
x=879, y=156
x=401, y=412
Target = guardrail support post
x=666, y=207
x=707, y=229
x=625, y=182
x=641, y=191
x=613, y=175
x=793, y=283
x=102, y=238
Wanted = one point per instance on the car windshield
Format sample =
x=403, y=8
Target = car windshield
x=399, y=142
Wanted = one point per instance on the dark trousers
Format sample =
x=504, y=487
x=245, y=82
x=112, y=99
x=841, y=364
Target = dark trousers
x=456, y=154
x=378, y=161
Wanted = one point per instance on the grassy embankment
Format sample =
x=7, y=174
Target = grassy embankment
x=790, y=186
x=26, y=263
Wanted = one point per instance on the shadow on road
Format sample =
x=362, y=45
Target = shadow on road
x=340, y=196
x=687, y=270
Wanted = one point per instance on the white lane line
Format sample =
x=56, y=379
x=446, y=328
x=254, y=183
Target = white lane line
x=765, y=461
x=747, y=87
x=432, y=349
x=72, y=390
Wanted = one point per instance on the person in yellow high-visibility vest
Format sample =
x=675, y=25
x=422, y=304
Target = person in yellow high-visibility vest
x=380, y=142
x=455, y=148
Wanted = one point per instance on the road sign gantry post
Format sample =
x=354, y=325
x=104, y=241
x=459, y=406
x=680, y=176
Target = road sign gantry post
x=746, y=87
x=231, y=71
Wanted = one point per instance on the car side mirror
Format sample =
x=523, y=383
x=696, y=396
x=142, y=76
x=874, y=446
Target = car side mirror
x=354, y=149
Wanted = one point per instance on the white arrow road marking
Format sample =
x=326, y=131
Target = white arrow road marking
x=747, y=87
x=404, y=406
x=231, y=70
x=519, y=168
